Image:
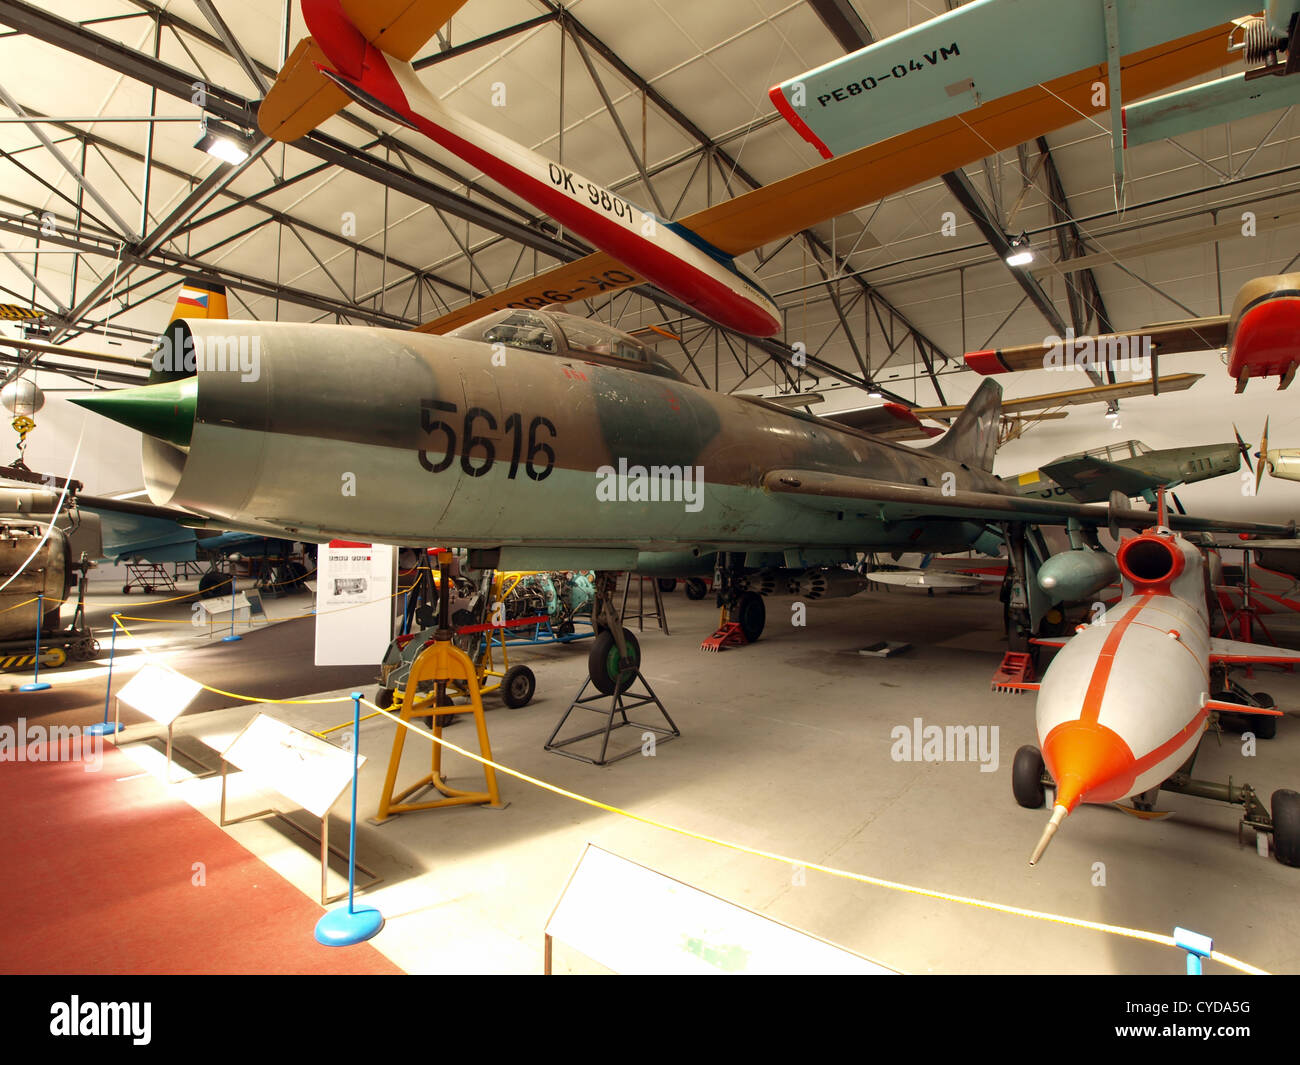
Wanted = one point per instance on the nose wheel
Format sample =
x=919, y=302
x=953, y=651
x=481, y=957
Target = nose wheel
x=1029, y=777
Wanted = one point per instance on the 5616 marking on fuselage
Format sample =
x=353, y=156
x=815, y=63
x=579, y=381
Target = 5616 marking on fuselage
x=478, y=454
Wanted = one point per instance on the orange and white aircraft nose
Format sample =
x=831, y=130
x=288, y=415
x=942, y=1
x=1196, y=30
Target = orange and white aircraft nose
x=1088, y=761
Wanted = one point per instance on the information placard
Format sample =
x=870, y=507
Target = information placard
x=159, y=693
x=305, y=769
x=634, y=920
x=354, y=602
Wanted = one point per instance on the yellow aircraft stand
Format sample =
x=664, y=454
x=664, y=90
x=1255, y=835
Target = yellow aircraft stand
x=444, y=663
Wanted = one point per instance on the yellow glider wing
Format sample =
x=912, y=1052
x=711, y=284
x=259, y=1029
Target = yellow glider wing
x=861, y=177
x=302, y=98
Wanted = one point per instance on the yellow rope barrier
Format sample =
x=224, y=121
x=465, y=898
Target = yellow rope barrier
x=893, y=885
x=862, y=878
x=219, y=691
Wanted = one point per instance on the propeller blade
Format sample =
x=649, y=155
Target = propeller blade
x=1262, y=456
x=1244, y=448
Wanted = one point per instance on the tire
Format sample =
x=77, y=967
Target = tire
x=1286, y=826
x=603, y=661
x=751, y=615
x=54, y=657
x=1264, y=727
x=1027, y=778
x=517, y=686
x=384, y=698
x=210, y=584
x=696, y=589
x=668, y=584
x=126, y=589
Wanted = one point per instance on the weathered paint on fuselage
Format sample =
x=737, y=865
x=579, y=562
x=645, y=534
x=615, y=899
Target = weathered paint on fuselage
x=346, y=409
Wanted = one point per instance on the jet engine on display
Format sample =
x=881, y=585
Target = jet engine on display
x=1123, y=705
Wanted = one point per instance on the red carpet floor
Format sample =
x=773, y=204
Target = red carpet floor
x=99, y=876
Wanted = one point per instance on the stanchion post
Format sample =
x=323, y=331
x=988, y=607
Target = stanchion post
x=1197, y=947
x=103, y=728
x=232, y=638
x=37, y=685
x=348, y=925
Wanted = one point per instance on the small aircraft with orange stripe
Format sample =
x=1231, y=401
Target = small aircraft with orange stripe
x=1124, y=704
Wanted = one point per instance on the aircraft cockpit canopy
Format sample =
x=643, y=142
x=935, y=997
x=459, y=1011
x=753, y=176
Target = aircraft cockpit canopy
x=1125, y=449
x=555, y=333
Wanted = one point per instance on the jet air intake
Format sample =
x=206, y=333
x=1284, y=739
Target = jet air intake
x=1149, y=561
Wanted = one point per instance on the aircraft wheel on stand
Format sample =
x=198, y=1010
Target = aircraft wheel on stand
x=604, y=661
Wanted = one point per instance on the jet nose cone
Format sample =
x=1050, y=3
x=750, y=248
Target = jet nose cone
x=1089, y=762
x=164, y=410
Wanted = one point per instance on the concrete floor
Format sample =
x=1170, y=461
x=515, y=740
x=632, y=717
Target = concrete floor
x=786, y=747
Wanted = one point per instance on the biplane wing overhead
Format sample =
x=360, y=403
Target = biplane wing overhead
x=848, y=182
x=1194, y=334
x=1178, y=382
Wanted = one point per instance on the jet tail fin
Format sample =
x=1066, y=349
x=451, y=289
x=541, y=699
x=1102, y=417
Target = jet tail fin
x=973, y=438
x=199, y=298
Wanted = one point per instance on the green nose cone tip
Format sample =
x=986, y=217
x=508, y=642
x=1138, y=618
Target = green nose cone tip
x=164, y=410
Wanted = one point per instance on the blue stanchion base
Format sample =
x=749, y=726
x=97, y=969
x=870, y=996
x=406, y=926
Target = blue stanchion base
x=231, y=639
x=40, y=686
x=104, y=728
x=343, y=928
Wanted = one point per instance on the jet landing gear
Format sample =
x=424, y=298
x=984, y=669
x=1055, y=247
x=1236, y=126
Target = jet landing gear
x=615, y=657
x=743, y=612
x=614, y=670
x=1281, y=819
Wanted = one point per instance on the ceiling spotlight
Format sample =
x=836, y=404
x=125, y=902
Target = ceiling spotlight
x=875, y=395
x=1021, y=253
x=226, y=143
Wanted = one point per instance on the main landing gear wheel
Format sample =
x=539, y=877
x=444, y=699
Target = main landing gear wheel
x=1286, y=826
x=751, y=615
x=668, y=584
x=517, y=686
x=696, y=589
x=210, y=584
x=1265, y=727
x=604, y=663
x=1027, y=778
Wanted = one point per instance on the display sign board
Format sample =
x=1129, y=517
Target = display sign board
x=159, y=693
x=217, y=612
x=634, y=920
x=305, y=769
x=354, y=602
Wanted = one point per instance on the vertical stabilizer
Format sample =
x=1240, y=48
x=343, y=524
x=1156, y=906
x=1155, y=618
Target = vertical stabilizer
x=973, y=438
